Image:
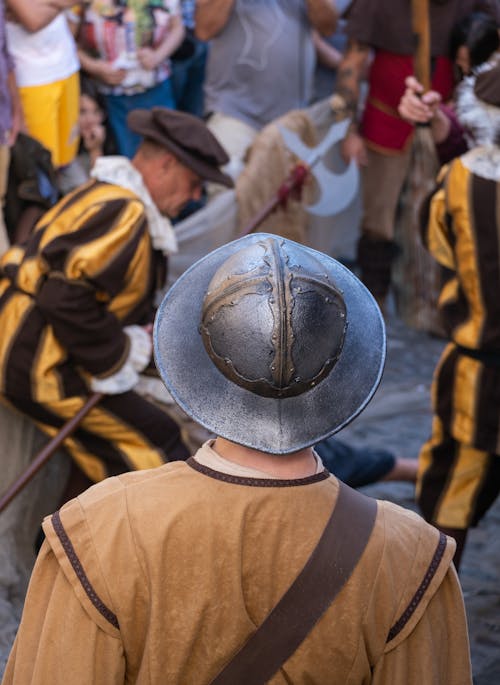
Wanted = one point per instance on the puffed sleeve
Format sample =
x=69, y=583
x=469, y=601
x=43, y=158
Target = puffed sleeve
x=437, y=649
x=96, y=274
x=58, y=642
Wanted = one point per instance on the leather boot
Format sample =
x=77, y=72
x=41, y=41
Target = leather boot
x=375, y=259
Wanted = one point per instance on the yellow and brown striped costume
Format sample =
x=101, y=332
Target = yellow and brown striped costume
x=459, y=473
x=87, y=271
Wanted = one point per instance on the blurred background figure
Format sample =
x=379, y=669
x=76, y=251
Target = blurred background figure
x=47, y=66
x=10, y=120
x=125, y=47
x=96, y=139
x=260, y=65
x=382, y=32
x=188, y=65
x=459, y=471
x=329, y=53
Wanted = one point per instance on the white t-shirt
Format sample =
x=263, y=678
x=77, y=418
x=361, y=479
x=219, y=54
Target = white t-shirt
x=44, y=56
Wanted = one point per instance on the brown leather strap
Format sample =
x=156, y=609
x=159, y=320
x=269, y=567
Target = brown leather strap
x=326, y=571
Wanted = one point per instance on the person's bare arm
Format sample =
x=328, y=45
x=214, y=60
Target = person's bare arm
x=35, y=14
x=150, y=58
x=101, y=69
x=322, y=15
x=350, y=73
x=326, y=54
x=211, y=16
x=417, y=107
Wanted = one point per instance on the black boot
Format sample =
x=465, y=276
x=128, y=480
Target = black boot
x=375, y=259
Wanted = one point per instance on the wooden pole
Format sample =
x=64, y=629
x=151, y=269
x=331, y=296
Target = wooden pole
x=46, y=453
x=422, y=33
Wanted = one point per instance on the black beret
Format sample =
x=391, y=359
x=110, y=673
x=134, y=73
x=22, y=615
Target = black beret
x=186, y=137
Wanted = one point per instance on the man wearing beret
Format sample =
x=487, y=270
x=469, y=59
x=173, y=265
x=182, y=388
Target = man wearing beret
x=77, y=300
x=249, y=563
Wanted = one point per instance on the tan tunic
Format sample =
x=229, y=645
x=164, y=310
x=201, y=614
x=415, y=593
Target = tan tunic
x=160, y=576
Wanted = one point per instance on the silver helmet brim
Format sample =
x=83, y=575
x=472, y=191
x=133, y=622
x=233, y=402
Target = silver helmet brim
x=276, y=426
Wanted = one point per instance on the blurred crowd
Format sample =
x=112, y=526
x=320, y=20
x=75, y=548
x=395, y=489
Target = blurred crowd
x=72, y=78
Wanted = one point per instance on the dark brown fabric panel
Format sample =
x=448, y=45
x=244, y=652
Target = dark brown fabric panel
x=144, y=312
x=56, y=252
x=111, y=278
x=91, y=333
x=154, y=425
x=436, y=477
x=446, y=382
x=417, y=597
x=488, y=491
x=485, y=228
x=325, y=573
x=80, y=571
x=487, y=409
x=456, y=312
x=5, y=297
x=386, y=24
x=32, y=245
x=71, y=382
x=424, y=214
x=22, y=354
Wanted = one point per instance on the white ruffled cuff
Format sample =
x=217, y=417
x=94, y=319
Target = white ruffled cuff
x=141, y=347
x=127, y=376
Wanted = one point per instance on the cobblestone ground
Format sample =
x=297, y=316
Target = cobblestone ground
x=399, y=418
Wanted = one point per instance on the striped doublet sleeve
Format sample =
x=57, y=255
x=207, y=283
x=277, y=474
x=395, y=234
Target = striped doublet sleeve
x=94, y=255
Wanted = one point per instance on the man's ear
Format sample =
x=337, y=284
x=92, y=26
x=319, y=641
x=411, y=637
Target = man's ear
x=167, y=161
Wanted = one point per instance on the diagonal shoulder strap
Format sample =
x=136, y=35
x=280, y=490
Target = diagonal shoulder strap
x=326, y=571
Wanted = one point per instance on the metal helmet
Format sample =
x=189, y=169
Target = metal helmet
x=270, y=344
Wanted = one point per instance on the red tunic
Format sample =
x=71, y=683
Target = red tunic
x=381, y=125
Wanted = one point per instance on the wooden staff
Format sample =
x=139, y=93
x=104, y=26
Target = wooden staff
x=46, y=453
x=418, y=274
x=421, y=28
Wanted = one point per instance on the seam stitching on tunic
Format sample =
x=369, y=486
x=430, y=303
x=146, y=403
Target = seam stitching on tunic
x=410, y=609
x=256, y=482
x=80, y=572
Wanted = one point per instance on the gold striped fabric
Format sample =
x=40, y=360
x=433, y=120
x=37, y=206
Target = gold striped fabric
x=463, y=234
x=459, y=467
x=87, y=271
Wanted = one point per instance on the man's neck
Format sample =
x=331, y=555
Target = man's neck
x=288, y=466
